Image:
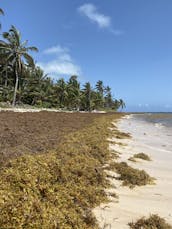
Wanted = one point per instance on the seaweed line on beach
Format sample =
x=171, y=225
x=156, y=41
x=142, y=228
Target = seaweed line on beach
x=58, y=189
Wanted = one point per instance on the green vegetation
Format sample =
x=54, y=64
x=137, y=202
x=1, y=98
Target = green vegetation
x=21, y=82
x=153, y=222
x=130, y=176
x=58, y=189
x=142, y=156
x=13, y=52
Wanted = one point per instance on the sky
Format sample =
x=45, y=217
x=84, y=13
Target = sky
x=125, y=43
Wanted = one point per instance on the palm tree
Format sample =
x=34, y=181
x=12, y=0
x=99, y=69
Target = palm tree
x=16, y=52
x=74, y=93
x=108, y=97
x=100, y=87
x=87, y=94
x=122, y=104
x=6, y=69
x=61, y=90
x=1, y=13
x=116, y=105
x=35, y=87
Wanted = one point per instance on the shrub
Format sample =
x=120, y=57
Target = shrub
x=142, y=156
x=153, y=222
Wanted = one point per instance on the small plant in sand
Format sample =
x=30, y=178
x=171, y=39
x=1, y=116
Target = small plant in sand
x=131, y=177
x=142, y=156
x=153, y=222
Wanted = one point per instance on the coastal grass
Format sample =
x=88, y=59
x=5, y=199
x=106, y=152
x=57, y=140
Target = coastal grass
x=142, y=156
x=153, y=222
x=58, y=189
x=130, y=176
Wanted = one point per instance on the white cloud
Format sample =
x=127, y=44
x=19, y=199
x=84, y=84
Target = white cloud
x=55, y=50
x=57, y=67
x=61, y=64
x=92, y=13
x=117, y=32
x=143, y=105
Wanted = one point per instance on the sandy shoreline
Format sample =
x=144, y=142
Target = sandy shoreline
x=25, y=110
x=141, y=201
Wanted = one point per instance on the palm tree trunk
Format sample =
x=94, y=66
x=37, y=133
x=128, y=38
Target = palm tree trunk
x=6, y=78
x=89, y=101
x=15, y=89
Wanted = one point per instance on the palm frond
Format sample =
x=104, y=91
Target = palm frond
x=24, y=43
x=29, y=59
x=32, y=48
x=5, y=35
x=15, y=34
x=1, y=12
x=3, y=43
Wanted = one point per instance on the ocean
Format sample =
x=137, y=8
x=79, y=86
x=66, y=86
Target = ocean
x=160, y=124
x=159, y=119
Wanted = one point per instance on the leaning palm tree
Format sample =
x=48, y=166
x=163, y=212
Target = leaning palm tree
x=1, y=13
x=16, y=52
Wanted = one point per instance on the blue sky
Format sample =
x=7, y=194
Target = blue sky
x=127, y=44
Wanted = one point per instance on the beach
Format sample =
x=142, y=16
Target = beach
x=154, y=140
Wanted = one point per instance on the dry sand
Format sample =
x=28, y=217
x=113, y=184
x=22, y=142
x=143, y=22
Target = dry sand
x=132, y=204
x=23, y=110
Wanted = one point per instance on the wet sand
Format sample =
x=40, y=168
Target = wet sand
x=156, y=141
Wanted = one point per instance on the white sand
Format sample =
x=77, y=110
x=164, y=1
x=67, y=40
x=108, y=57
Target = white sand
x=23, y=110
x=155, y=141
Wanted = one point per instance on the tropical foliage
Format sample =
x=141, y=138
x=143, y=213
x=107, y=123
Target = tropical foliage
x=21, y=82
x=14, y=52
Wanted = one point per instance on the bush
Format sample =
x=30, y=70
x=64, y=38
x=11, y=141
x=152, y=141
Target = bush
x=142, y=156
x=153, y=222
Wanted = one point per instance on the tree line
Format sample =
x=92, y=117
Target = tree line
x=22, y=82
